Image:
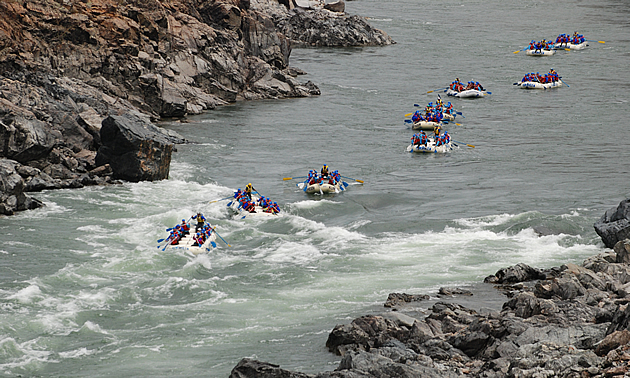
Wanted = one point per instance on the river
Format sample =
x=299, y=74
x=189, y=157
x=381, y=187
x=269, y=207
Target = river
x=85, y=291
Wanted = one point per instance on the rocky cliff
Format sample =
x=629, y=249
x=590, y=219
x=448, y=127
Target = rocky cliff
x=65, y=66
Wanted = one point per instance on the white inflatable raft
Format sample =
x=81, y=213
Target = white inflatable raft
x=425, y=125
x=186, y=244
x=579, y=46
x=324, y=188
x=258, y=212
x=537, y=85
x=430, y=147
x=469, y=93
x=540, y=52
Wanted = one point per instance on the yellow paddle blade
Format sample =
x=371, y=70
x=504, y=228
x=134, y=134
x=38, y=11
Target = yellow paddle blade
x=516, y=52
x=601, y=41
x=470, y=145
x=361, y=181
x=458, y=124
x=408, y=114
x=430, y=91
x=288, y=178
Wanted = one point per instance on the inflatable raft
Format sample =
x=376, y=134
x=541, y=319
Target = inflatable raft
x=430, y=147
x=323, y=188
x=448, y=117
x=540, y=52
x=537, y=85
x=425, y=125
x=257, y=212
x=186, y=243
x=469, y=93
x=572, y=46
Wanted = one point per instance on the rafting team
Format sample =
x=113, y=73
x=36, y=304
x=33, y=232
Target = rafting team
x=565, y=39
x=540, y=45
x=203, y=231
x=433, y=113
x=330, y=178
x=457, y=86
x=244, y=198
x=440, y=138
x=550, y=77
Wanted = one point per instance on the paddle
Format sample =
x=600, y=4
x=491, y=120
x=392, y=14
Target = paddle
x=590, y=40
x=160, y=240
x=516, y=52
x=215, y=231
x=469, y=145
x=564, y=82
x=408, y=121
x=408, y=114
x=291, y=178
x=439, y=89
x=167, y=244
x=222, y=199
x=350, y=178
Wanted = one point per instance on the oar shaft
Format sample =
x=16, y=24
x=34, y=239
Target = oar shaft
x=226, y=243
x=469, y=145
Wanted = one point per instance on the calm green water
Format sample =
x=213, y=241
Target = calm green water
x=84, y=291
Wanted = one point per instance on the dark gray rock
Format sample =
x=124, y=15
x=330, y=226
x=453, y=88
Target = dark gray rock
x=24, y=139
x=517, y=273
x=395, y=299
x=12, y=197
x=135, y=149
x=614, y=225
x=248, y=368
x=338, y=6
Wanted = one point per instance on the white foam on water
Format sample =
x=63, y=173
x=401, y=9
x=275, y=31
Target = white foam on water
x=27, y=294
x=490, y=220
x=288, y=253
x=309, y=204
x=27, y=355
x=77, y=353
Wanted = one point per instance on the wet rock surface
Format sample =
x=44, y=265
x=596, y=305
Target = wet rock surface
x=569, y=321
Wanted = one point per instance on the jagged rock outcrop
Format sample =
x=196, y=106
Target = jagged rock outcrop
x=614, y=225
x=570, y=321
x=322, y=27
x=12, y=197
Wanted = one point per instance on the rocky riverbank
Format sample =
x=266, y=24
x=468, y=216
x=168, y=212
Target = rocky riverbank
x=67, y=66
x=567, y=321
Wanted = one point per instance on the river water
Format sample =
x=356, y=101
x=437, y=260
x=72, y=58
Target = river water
x=84, y=290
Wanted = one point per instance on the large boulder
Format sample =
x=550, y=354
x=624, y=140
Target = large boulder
x=614, y=225
x=135, y=149
x=248, y=368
